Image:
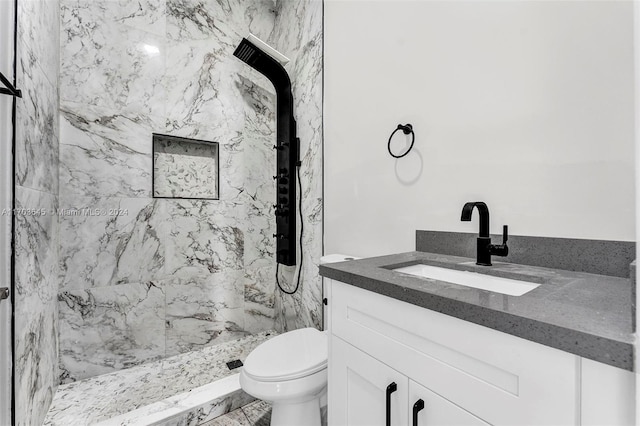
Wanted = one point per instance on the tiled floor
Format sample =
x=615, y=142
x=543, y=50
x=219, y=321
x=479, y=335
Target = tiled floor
x=258, y=413
x=104, y=397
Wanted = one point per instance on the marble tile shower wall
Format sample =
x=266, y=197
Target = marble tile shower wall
x=36, y=188
x=298, y=33
x=144, y=278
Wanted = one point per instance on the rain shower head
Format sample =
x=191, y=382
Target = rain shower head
x=264, y=47
x=247, y=52
x=265, y=59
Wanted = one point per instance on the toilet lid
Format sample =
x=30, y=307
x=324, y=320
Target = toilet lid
x=289, y=356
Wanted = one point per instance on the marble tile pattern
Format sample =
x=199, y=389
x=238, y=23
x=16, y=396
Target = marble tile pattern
x=259, y=190
x=185, y=169
x=203, y=237
x=103, y=154
x=257, y=413
x=110, y=242
x=203, y=268
x=234, y=418
x=298, y=34
x=35, y=308
x=202, y=310
x=119, y=327
x=36, y=200
x=155, y=386
x=208, y=411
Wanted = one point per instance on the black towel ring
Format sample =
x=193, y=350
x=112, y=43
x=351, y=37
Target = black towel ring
x=406, y=129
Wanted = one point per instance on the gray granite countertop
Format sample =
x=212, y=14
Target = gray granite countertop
x=585, y=314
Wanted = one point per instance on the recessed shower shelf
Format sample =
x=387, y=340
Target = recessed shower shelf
x=185, y=168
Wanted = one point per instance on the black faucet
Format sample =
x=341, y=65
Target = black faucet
x=485, y=248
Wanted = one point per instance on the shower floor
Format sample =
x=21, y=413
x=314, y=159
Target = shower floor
x=187, y=389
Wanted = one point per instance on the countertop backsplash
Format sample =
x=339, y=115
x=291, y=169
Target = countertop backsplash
x=593, y=256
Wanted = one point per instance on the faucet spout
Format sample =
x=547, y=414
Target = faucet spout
x=485, y=248
x=483, y=211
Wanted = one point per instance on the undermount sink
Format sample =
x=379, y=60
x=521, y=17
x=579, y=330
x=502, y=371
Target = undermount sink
x=470, y=279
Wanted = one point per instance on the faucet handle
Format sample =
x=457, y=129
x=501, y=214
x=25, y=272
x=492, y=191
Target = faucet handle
x=502, y=249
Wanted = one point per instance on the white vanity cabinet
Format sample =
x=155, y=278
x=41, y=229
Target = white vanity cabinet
x=367, y=392
x=385, y=355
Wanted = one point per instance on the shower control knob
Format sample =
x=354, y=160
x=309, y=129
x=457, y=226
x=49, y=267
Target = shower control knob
x=278, y=147
x=282, y=175
x=281, y=180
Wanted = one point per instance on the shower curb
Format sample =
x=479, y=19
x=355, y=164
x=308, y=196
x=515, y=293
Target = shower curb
x=192, y=408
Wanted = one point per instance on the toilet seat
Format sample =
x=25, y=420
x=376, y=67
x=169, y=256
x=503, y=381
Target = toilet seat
x=289, y=356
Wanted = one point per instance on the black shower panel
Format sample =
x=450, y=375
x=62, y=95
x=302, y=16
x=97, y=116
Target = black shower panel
x=287, y=149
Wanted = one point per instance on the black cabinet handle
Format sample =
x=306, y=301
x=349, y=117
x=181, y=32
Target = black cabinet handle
x=417, y=407
x=390, y=389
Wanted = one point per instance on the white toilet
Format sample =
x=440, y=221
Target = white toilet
x=290, y=371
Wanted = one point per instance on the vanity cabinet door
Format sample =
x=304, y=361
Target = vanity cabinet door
x=608, y=395
x=427, y=408
x=363, y=390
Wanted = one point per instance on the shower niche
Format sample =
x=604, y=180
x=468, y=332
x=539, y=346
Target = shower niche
x=185, y=168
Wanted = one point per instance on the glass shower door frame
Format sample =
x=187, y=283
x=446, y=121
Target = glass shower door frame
x=7, y=53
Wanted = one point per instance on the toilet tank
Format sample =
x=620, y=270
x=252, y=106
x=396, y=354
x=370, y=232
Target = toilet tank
x=326, y=291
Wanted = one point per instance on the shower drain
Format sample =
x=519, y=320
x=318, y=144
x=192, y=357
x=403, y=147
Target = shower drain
x=234, y=364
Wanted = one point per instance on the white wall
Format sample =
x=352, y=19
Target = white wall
x=527, y=106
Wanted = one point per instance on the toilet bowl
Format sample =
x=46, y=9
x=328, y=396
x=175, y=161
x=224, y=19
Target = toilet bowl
x=290, y=371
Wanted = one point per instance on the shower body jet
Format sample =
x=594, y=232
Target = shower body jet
x=268, y=62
